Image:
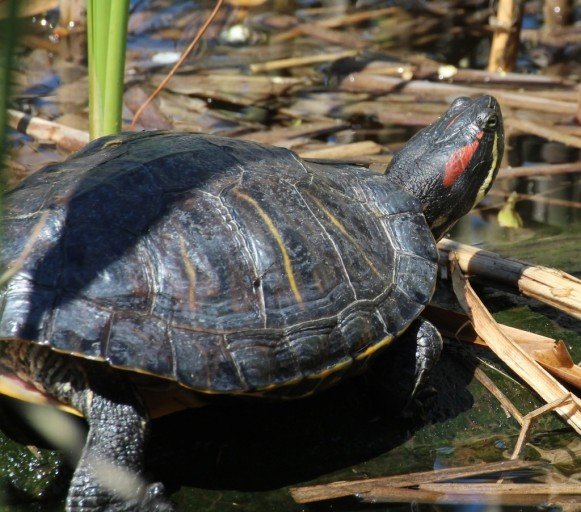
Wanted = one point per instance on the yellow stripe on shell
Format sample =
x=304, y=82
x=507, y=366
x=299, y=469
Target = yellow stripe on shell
x=279, y=241
x=191, y=273
x=343, y=230
x=375, y=347
x=380, y=344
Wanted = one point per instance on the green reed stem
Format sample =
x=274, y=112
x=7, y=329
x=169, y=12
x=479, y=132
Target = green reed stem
x=107, y=34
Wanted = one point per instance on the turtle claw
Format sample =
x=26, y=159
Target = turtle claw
x=151, y=499
x=405, y=370
x=154, y=499
x=429, y=345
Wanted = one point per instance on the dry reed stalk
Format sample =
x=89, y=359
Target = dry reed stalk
x=548, y=285
x=547, y=132
x=507, y=173
x=510, y=353
x=344, y=151
x=292, y=62
x=69, y=139
x=312, y=493
x=506, y=38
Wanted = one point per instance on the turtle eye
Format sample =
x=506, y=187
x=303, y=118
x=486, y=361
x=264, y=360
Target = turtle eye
x=492, y=122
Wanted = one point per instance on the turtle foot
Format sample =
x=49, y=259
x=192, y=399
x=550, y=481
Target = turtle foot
x=404, y=370
x=155, y=500
x=151, y=499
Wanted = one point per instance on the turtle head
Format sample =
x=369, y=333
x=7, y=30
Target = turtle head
x=451, y=164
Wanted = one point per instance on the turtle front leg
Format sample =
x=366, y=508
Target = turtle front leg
x=429, y=346
x=108, y=475
x=404, y=369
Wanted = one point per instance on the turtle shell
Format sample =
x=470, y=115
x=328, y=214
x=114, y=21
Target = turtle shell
x=227, y=266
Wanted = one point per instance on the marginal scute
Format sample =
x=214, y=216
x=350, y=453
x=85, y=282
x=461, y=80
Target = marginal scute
x=409, y=235
x=140, y=343
x=227, y=266
x=263, y=359
x=398, y=311
x=415, y=277
x=26, y=313
x=313, y=348
x=361, y=329
x=79, y=326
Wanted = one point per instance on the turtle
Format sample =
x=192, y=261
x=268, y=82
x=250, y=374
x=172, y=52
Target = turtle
x=160, y=270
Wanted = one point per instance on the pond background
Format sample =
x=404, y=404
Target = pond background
x=246, y=456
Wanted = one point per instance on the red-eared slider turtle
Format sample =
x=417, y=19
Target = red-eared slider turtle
x=210, y=266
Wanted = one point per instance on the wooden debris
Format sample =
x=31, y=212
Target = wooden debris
x=278, y=136
x=551, y=286
x=310, y=494
x=379, y=84
x=499, y=489
x=344, y=151
x=506, y=38
x=510, y=353
x=180, y=61
x=541, y=130
x=151, y=117
x=538, y=198
x=507, y=173
x=238, y=89
x=308, y=60
x=329, y=35
x=66, y=138
x=339, y=21
x=558, y=362
x=434, y=70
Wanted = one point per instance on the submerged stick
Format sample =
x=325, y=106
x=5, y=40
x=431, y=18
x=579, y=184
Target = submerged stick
x=312, y=493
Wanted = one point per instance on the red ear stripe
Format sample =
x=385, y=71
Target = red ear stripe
x=459, y=160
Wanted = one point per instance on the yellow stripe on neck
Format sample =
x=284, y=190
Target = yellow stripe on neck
x=487, y=182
